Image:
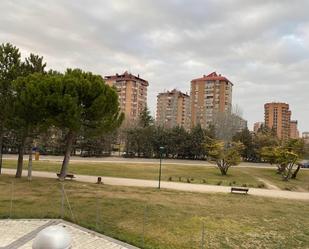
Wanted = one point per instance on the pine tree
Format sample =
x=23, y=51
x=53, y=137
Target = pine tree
x=10, y=69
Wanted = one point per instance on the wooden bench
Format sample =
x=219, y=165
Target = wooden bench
x=71, y=176
x=241, y=190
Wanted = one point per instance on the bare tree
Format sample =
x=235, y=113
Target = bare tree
x=228, y=124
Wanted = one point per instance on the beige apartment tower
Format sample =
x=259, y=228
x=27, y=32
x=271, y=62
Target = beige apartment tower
x=257, y=126
x=173, y=109
x=132, y=93
x=305, y=136
x=294, y=133
x=278, y=117
x=209, y=95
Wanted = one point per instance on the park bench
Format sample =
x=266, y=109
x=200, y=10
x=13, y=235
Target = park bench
x=241, y=190
x=71, y=176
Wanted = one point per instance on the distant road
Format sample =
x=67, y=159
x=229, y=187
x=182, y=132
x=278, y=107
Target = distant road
x=77, y=159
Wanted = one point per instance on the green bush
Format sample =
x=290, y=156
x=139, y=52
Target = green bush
x=261, y=185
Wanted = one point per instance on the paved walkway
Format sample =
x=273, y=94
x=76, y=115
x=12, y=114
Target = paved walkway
x=203, y=188
x=20, y=234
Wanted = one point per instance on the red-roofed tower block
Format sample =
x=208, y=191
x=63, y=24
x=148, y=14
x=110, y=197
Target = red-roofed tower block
x=132, y=93
x=209, y=95
x=173, y=108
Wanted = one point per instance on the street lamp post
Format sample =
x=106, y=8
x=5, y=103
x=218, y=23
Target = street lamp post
x=160, y=170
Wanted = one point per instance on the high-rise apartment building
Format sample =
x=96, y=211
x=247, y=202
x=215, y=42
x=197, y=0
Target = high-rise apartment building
x=257, y=126
x=239, y=122
x=294, y=133
x=305, y=136
x=209, y=95
x=173, y=109
x=132, y=93
x=278, y=117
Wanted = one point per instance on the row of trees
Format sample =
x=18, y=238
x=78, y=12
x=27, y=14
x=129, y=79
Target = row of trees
x=52, y=142
x=33, y=101
x=183, y=144
x=145, y=140
x=177, y=142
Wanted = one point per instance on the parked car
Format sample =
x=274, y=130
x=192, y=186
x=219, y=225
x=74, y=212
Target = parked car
x=128, y=154
x=305, y=165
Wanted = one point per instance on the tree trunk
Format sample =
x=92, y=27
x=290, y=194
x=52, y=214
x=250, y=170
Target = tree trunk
x=223, y=171
x=66, y=159
x=281, y=168
x=296, y=172
x=226, y=168
x=1, y=148
x=221, y=166
x=30, y=164
x=21, y=149
x=288, y=172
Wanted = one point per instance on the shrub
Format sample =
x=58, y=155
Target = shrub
x=261, y=185
x=219, y=182
x=170, y=179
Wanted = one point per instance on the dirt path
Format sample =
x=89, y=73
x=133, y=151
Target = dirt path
x=172, y=185
x=268, y=184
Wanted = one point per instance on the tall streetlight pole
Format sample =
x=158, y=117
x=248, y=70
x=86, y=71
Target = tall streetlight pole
x=160, y=171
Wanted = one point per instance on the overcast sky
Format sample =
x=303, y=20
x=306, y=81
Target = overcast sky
x=261, y=46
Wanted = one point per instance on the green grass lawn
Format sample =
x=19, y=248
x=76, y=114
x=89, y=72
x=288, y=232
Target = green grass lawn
x=172, y=219
x=195, y=174
x=301, y=183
